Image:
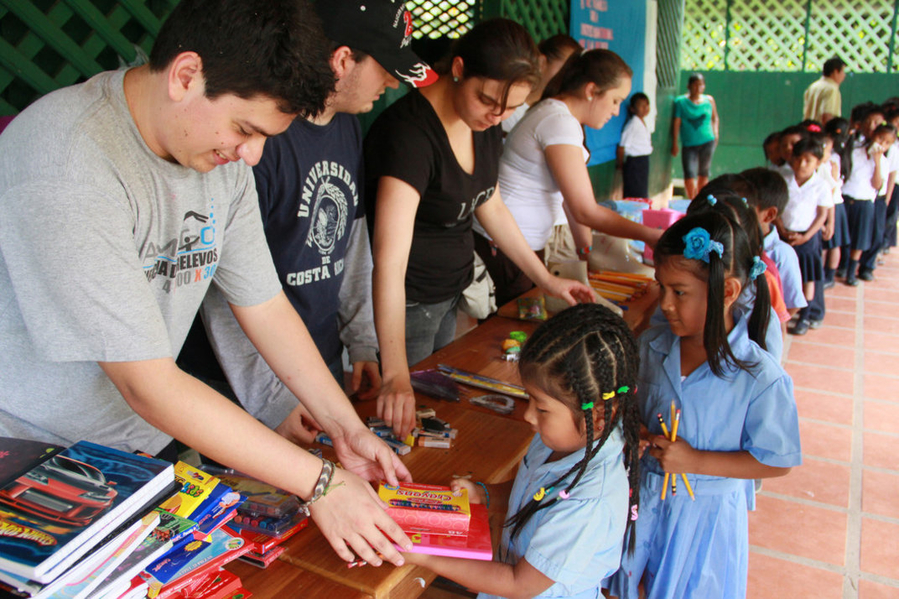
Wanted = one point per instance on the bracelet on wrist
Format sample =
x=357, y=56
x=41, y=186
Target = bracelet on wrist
x=584, y=251
x=321, y=487
x=486, y=493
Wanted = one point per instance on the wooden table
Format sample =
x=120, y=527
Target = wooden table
x=488, y=448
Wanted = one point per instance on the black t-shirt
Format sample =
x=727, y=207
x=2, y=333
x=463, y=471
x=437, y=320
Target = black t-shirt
x=307, y=182
x=408, y=142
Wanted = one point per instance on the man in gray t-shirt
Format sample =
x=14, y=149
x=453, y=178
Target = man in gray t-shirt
x=121, y=200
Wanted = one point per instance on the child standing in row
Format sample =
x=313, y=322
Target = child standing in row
x=738, y=418
x=635, y=148
x=807, y=209
x=575, y=494
x=837, y=130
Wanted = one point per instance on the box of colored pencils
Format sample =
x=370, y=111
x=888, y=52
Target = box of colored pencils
x=431, y=509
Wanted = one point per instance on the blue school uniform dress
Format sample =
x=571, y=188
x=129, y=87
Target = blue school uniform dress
x=700, y=548
x=576, y=541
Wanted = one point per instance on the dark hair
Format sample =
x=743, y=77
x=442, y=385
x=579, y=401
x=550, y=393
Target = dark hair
x=860, y=112
x=558, y=46
x=601, y=67
x=794, y=130
x=891, y=113
x=832, y=65
x=271, y=48
x=694, y=77
x=498, y=49
x=813, y=144
x=579, y=357
x=632, y=105
x=771, y=189
x=737, y=261
x=772, y=138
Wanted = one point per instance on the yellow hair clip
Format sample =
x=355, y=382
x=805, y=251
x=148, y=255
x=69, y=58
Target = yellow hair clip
x=609, y=395
x=539, y=495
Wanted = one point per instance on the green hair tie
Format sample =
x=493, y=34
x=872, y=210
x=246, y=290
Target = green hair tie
x=624, y=389
x=587, y=406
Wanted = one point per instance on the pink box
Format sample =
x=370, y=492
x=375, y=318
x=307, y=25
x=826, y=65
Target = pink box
x=658, y=219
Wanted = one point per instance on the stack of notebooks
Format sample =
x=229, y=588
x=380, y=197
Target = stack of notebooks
x=92, y=522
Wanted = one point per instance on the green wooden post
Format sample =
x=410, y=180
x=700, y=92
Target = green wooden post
x=892, y=37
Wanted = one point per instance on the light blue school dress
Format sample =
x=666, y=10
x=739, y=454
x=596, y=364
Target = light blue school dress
x=700, y=548
x=577, y=541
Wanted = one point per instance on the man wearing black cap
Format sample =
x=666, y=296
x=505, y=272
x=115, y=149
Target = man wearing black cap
x=309, y=185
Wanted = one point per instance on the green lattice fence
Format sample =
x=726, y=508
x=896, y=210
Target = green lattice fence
x=446, y=18
x=542, y=18
x=47, y=44
x=789, y=35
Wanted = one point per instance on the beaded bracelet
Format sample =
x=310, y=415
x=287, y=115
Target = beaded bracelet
x=486, y=492
x=324, y=481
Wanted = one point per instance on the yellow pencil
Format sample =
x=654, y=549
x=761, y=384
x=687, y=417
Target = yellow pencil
x=682, y=474
x=673, y=439
x=667, y=436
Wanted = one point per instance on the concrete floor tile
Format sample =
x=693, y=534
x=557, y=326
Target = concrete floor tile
x=814, y=480
x=772, y=577
x=880, y=324
x=881, y=363
x=870, y=590
x=883, y=342
x=880, y=548
x=822, y=406
x=880, y=450
x=821, y=354
x=830, y=335
x=798, y=529
x=825, y=441
x=880, y=309
x=878, y=295
x=821, y=378
x=881, y=387
x=841, y=304
x=882, y=416
x=880, y=493
x=839, y=319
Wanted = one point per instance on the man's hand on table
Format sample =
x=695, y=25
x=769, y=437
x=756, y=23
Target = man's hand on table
x=355, y=523
x=396, y=405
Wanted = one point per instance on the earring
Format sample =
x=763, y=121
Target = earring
x=589, y=98
x=455, y=80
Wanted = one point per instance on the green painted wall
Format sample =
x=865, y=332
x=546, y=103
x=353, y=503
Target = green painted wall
x=752, y=105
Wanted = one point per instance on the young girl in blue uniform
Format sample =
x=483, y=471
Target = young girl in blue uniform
x=575, y=494
x=738, y=418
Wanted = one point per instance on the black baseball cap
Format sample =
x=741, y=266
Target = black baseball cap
x=380, y=28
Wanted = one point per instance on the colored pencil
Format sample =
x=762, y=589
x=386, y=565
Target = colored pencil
x=673, y=439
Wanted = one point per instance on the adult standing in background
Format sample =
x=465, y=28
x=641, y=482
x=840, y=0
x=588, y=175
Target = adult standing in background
x=822, y=101
x=695, y=123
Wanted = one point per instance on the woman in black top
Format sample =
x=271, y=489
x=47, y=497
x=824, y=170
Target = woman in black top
x=431, y=161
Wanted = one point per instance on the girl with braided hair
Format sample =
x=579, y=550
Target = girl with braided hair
x=737, y=417
x=576, y=492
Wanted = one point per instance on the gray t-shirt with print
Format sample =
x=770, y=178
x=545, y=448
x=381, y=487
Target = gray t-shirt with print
x=106, y=252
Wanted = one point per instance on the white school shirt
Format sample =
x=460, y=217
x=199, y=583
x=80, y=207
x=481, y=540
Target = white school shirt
x=858, y=184
x=526, y=184
x=804, y=201
x=824, y=171
x=838, y=190
x=635, y=138
x=889, y=165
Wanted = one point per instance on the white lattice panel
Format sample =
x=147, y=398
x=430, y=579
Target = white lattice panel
x=858, y=31
x=704, y=33
x=766, y=35
x=436, y=18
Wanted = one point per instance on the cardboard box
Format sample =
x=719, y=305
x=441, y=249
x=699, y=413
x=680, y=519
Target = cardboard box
x=429, y=509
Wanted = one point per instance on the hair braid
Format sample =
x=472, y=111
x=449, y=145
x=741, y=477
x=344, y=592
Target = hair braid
x=576, y=357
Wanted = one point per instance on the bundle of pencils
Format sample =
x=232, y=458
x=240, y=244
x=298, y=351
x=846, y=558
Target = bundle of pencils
x=675, y=419
x=619, y=287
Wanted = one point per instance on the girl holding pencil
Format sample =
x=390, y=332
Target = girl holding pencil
x=734, y=414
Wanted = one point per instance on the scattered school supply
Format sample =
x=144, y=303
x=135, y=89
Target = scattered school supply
x=435, y=384
x=619, y=287
x=474, y=545
x=432, y=509
x=483, y=382
x=513, y=344
x=532, y=308
x=501, y=404
x=60, y=509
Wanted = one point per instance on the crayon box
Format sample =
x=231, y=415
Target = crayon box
x=429, y=509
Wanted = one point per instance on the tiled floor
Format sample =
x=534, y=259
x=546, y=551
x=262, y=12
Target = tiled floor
x=830, y=529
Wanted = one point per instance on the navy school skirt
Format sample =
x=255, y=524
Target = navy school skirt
x=840, y=229
x=860, y=216
x=809, y=254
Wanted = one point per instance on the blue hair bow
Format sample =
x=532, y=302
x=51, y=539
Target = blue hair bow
x=712, y=199
x=758, y=267
x=699, y=244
